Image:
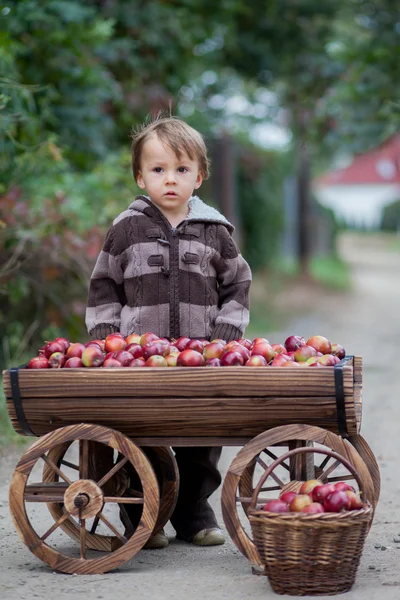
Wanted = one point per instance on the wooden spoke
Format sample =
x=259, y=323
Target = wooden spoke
x=112, y=472
x=95, y=524
x=66, y=463
x=329, y=470
x=274, y=457
x=273, y=475
x=340, y=478
x=49, y=462
x=247, y=500
x=271, y=488
x=83, y=459
x=83, y=538
x=134, y=493
x=45, y=492
x=123, y=500
x=113, y=529
x=55, y=526
x=324, y=463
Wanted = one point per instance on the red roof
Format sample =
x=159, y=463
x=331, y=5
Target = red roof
x=380, y=166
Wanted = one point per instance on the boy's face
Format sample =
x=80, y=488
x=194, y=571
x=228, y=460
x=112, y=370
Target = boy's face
x=168, y=180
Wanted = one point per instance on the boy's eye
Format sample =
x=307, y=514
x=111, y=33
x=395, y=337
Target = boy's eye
x=182, y=169
x=157, y=169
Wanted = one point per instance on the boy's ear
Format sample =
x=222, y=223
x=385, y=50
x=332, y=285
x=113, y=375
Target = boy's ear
x=199, y=181
x=139, y=181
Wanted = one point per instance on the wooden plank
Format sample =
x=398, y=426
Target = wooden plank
x=178, y=381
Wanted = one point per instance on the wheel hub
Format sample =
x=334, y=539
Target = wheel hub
x=83, y=498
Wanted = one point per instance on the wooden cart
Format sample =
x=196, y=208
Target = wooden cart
x=140, y=414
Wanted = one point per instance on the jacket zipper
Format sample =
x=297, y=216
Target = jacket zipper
x=174, y=283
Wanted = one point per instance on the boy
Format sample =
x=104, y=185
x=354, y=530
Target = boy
x=169, y=265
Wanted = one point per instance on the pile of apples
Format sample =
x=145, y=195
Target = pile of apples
x=317, y=497
x=149, y=350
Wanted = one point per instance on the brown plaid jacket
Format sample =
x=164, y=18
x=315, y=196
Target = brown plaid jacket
x=190, y=280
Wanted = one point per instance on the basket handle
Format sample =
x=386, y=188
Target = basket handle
x=296, y=451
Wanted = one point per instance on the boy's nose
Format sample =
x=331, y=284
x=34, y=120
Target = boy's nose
x=170, y=177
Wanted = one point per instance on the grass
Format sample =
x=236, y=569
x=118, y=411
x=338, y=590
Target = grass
x=7, y=434
x=331, y=272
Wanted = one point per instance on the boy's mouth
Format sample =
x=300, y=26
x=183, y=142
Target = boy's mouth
x=170, y=194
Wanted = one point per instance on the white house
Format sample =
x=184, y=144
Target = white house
x=358, y=193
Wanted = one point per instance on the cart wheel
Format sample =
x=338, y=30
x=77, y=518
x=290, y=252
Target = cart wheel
x=83, y=499
x=164, y=464
x=258, y=452
x=306, y=469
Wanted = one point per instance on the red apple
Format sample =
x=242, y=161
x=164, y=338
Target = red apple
x=75, y=350
x=195, y=345
x=219, y=340
x=263, y=349
x=278, y=349
x=75, y=362
x=235, y=347
x=94, y=344
x=65, y=344
x=137, y=362
x=190, y=358
x=147, y=337
x=155, y=348
x=213, y=350
x=244, y=342
x=312, y=360
x=342, y=486
x=314, y=508
x=355, y=500
x=293, y=342
x=308, y=486
x=256, y=361
x=92, y=356
x=337, y=502
x=288, y=496
x=292, y=363
x=181, y=343
x=57, y=360
x=232, y=359
x=101, y=343
x=133, y=338
x=212, y=362
x=52, y=347
x=300, y=502
x=135, y=349
x=124, y=357
x=259, y=340
x=320, y=343
x=279, y=360
x=338, y=350
x=113, y=363
x=38, y=362
x=155, y=360
x=114, y=343
x=327, y=360
x=314, y=364
x=320, y=492
x=171, y=359
x=276, y=506
x=303, y=353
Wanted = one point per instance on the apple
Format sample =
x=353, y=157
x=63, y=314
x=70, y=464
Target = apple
x=232, y=359
x=320, y=492
x=171, y=359
x=292, y=363
x=312, y=360
x=219, y=340
x=288, y=496
x=338, y=350
x=155, y=348
x=259, y=340
x=133, y=338
x=355, y=500
x=314, y=364
x=195, y=345
x=276, y=506
x=100, y=343
x=320, y=343
x=155, y=360
x=65, y=344
x=75, y=362
x=113, y=363
x=213, y=350
x=293, y=342
x=135, y=349
x=278, y=349
x=337, y=502
x=256, y=361
x=75, y=350
x=327, y=360
x=148, y=337
x=314, y=508
x=342, y=486
x=137, y=362
x=92, y=356
x=300, y=502
x=263, y=349
x=181, y=343
x=94, y=344
x=38, y=362
x=123, y=356
x=190, y=358
x=279, y=360
x=114, y=343
x=52, y=347
x=303, y=353
x=308, y=486
x=235, y=347
x=212, y=362
x=244, y=342
x=57, y=360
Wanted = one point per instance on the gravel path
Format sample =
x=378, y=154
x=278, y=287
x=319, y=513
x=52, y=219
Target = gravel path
x=366, y=321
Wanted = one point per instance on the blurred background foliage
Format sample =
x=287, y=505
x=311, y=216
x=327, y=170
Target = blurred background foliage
x=75, y=78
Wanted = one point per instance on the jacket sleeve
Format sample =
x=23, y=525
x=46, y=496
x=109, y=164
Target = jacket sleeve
x=234, y=279
x=106, y=295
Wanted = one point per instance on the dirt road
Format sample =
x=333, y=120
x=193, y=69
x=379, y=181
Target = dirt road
x=367, y=322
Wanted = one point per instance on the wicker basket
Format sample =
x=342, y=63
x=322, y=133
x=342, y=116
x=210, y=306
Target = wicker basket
x=310, y=554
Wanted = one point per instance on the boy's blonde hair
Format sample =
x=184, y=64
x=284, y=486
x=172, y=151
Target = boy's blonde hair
x=176, y=134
